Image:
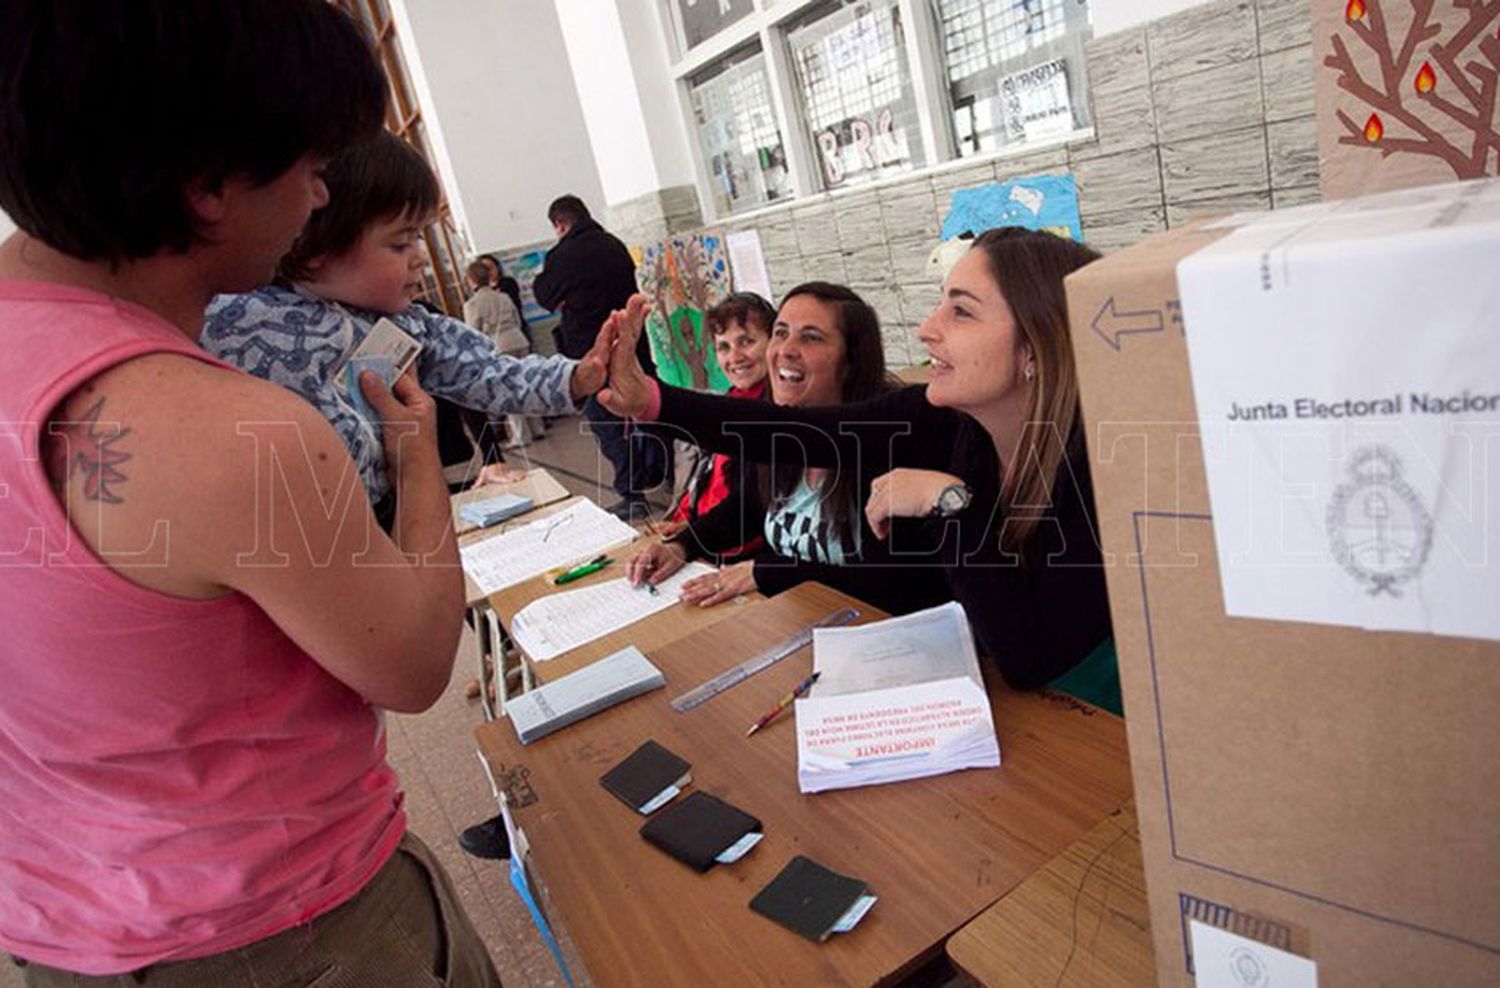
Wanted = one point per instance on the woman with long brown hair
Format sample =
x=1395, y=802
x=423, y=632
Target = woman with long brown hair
x=986, y=461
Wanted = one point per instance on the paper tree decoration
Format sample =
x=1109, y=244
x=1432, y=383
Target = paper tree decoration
x=1409, y=80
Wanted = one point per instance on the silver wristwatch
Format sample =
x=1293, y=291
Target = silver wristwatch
x=951, y=500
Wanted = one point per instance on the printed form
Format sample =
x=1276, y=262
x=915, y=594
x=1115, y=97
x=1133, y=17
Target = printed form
x=559, y=622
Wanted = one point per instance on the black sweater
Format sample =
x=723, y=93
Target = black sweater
x=1037, y=615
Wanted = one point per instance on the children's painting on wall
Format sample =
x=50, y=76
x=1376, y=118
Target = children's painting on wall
x=684, y=277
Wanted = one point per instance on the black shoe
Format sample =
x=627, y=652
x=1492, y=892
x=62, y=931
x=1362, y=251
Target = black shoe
x=486, y=840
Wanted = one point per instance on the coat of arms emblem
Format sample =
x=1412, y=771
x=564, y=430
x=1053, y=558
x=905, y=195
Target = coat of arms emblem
x=1378, y=529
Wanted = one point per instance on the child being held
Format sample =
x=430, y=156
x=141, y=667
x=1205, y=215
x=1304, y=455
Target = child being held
x=359, y=260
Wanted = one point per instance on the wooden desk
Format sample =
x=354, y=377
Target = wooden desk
x=1080, y=922
x=936, y=851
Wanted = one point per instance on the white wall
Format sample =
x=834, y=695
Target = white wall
x=650, y=58
x=600, y=66
x=1109, y=16
x=500, y=99
x=6, y=226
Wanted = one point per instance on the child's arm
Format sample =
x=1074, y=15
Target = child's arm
x=464, y=366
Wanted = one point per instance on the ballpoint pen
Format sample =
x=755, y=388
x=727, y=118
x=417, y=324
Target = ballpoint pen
x=592, y=566
x=783, y=703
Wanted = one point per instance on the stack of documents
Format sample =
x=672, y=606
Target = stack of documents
x=597, y=686
x=581, y=531
x=493, y=510
x=897, y=699
x=558, y=622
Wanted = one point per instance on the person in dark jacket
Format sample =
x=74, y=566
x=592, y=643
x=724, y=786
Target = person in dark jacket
x=586, y=275
x=990, y=451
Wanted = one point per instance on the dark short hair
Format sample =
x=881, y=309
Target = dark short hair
x=110, y=109
x=567, y=209
x=495, y=260
x=380, y=179
x=478, y=273
x=740, y=309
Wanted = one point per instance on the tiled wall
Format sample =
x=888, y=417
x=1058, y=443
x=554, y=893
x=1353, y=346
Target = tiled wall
x=1206, y=111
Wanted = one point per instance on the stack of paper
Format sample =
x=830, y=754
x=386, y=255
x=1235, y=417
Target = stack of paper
x=581, y=531
x=558, y=622
x=897, y=699
x=597, y=686
x=493, y=510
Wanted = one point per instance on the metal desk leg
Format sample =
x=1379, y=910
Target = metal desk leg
x=487, y=647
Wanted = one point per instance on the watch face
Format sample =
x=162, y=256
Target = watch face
x=953, y=499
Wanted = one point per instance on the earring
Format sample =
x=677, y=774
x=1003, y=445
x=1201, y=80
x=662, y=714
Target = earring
x=1029, y=372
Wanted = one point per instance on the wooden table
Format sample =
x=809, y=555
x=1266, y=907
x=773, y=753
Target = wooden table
x=1080, y=922
x=937, y=851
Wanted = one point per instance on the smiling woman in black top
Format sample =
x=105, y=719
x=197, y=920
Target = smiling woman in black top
x=988, y=456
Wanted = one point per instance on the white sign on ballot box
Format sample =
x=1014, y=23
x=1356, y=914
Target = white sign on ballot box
x=1346, y=367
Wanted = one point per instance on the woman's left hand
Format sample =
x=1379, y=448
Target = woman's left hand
x=904, y=493
x=715, y=588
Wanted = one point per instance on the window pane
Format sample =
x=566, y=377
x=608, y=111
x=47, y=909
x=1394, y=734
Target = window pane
x=1015, y=69
x=702, y=19
x=857, y=98
x=737, y=133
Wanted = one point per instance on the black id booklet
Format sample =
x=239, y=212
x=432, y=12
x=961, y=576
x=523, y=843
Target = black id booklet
x=648, y=777
x=701, y=829
x=809, y=899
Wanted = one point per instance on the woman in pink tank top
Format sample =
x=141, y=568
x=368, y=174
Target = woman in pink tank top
x=202, y=617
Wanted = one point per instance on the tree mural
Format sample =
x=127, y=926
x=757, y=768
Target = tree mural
x=684, y=277
x=1431, y=91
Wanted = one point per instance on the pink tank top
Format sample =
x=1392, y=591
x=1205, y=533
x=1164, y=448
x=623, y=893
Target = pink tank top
x=177, y=778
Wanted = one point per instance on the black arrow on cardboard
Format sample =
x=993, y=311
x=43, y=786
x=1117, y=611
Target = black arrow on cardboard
x=1111, y=324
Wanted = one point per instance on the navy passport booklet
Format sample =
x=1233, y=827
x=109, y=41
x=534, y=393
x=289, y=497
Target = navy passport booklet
x=811, y=900
x=649, y=777
x=702, y=830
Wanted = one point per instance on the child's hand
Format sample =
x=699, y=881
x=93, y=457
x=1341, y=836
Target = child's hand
x=629, y=392
x=408, y=417
x=590, y=373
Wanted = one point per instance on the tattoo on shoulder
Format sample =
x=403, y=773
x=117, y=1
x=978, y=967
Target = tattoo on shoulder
x=91, y=450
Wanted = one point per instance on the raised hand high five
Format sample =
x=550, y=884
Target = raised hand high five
x=629, y=391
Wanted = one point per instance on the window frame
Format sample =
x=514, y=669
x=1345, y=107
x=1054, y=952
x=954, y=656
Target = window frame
x=767, y=26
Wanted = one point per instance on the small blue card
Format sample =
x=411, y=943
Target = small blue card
x=494, y=510
x=382, y=366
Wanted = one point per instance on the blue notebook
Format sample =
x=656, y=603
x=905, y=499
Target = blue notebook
x=494, y=510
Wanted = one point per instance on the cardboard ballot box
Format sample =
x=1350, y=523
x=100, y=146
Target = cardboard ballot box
x=1317, y=789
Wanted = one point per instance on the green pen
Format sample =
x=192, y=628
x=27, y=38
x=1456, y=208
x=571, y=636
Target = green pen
x=577, y=572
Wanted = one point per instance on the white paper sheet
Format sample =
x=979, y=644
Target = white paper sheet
x=748, y=264
x=1346, y=368
x=1227, y=960
x=897, y=699
x=558, y=622
x=576, y=533
x=916, y=648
